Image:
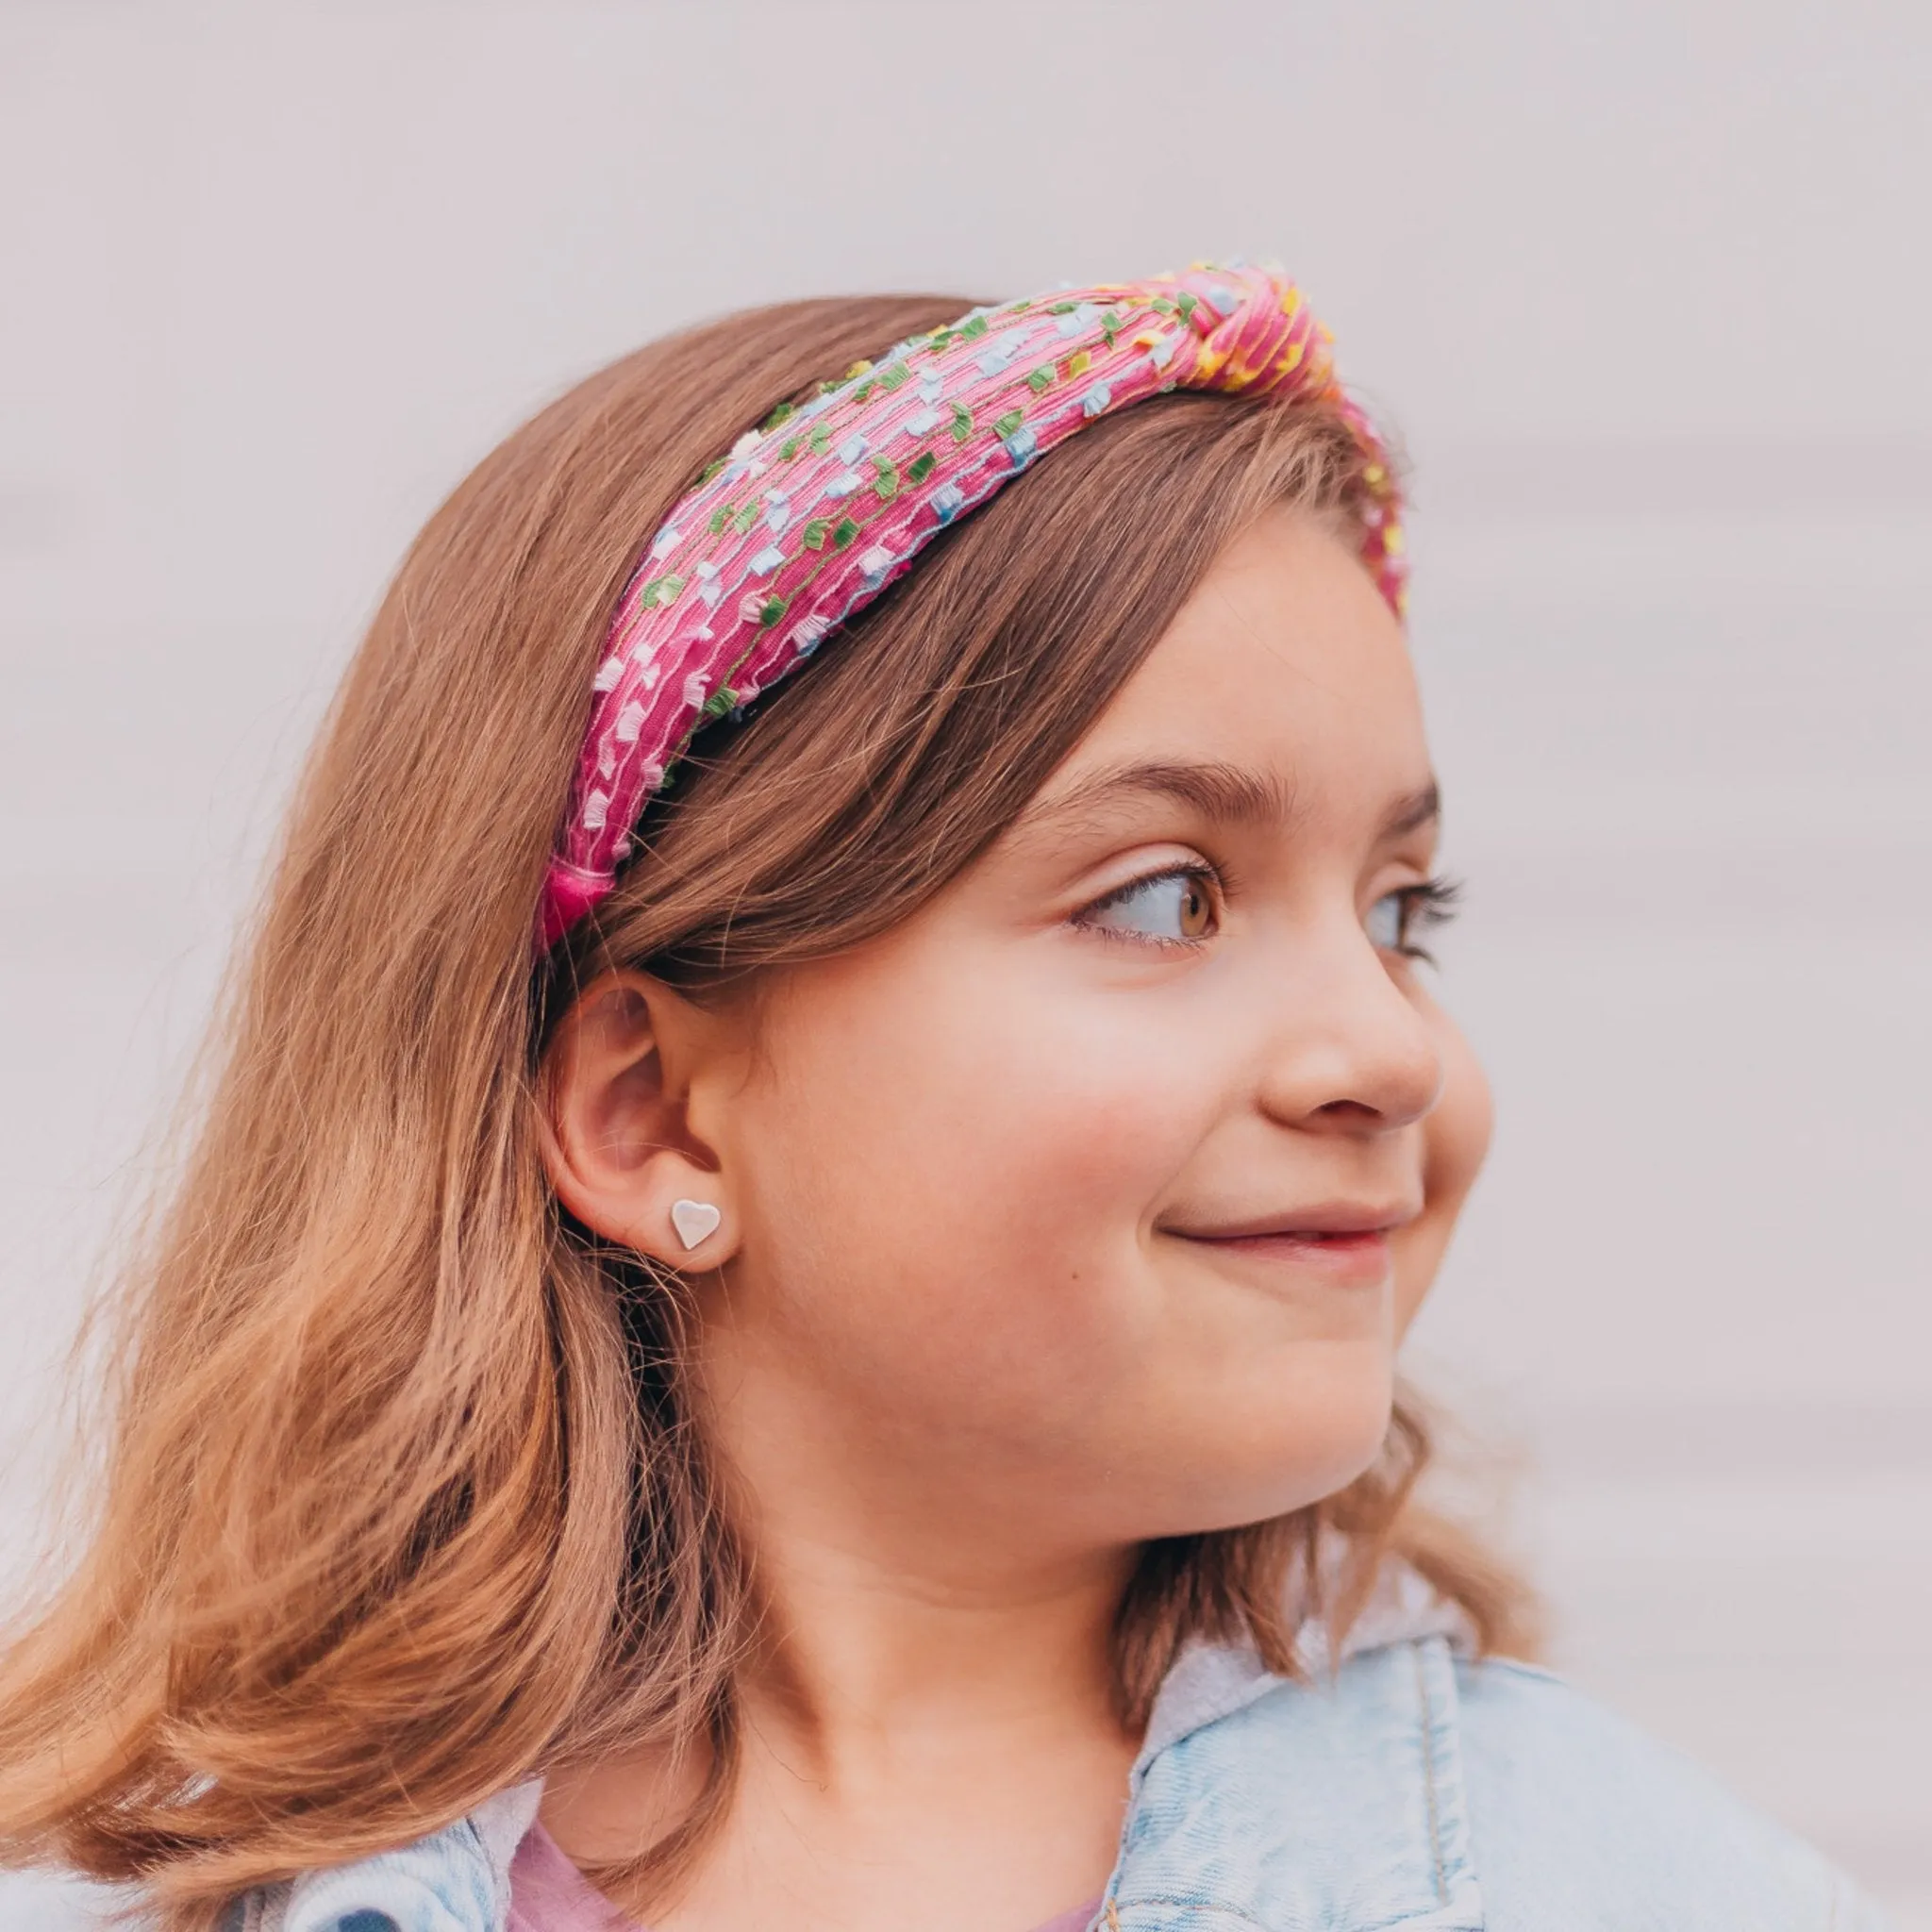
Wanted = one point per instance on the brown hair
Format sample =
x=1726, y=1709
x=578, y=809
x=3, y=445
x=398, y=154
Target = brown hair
x=402, y=1503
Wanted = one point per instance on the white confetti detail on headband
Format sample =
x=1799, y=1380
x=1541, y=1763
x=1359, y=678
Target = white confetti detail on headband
x=807, y=636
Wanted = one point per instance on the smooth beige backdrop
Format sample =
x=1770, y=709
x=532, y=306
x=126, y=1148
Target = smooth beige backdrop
x=1646, y=288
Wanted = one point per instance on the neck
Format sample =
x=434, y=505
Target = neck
x=910, y=1602
x=929, y=1677
x=871, y=1660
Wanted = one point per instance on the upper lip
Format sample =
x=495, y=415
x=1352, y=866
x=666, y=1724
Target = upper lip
x=1322, y=1217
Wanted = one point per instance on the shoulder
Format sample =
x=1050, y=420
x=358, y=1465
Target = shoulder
x=1411, y=1785
x=1577, y=1818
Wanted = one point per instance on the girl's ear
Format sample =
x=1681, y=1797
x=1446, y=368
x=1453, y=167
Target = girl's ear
x=615, y=1130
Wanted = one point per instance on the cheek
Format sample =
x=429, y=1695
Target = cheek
x=1455, y=1140
x=1457, y=1135
x=958, y=1152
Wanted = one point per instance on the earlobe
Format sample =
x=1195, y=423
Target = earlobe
x=613, y=1126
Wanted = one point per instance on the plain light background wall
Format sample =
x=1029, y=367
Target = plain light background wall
x=1645, y=287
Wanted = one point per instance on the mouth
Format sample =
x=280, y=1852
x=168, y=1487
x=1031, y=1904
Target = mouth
x=1347, y=1242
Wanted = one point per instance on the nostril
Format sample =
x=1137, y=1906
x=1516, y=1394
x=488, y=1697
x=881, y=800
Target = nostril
x=1350, y=1110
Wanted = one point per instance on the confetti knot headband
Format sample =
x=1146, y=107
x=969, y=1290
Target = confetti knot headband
x=815, y=512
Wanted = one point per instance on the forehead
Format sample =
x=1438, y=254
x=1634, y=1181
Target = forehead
x=1286, y=661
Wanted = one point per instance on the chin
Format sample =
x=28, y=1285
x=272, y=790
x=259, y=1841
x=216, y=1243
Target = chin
x=1288, y=1457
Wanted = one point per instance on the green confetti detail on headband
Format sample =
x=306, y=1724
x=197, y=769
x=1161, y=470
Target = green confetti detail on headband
x=863, y=390
x=1041, y=380
x=1063, y=308
x=744, y=518
x=1186, y=302
x=790, y=449
x=783, y=413
x=660, y=590
x=1009, y=422
x=886, y=484
x=720, y=517
x=844, y=533
x=894, y=375
x=920, y=467
x=820, y=438
x=772, y=611
x=1161, y=306
x=815, y=533
x=1111, y=326
x=971, y=331
x=710, y=470
x=962, y=421
x=721, y=701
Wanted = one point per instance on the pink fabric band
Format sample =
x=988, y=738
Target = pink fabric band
x=813, y=515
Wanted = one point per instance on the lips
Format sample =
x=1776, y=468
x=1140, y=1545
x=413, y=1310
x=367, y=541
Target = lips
x=1342, y=1243
x=1335, y=1220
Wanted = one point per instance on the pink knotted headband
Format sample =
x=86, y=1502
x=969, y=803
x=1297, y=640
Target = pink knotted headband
x=813, y=514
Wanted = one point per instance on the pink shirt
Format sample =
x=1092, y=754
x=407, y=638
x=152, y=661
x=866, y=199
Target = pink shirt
x=547, y=1893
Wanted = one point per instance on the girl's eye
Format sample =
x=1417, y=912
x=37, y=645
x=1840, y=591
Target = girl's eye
x=1397, y=920
x=1174, y=908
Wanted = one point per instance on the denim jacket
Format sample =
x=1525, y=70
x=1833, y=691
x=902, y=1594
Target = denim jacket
x=1407, y=1785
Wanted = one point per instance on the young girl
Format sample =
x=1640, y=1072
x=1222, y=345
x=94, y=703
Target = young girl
x=785, y=1314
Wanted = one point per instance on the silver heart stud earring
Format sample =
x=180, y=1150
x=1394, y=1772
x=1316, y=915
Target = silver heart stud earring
x=695, y=1220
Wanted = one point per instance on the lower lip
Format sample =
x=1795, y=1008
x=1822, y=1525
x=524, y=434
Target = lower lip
x=1349, y=1261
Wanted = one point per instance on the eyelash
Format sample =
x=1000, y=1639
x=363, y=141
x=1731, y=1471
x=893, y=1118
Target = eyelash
x=1427, y=907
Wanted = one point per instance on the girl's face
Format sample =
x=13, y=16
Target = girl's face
x=1092, y=1201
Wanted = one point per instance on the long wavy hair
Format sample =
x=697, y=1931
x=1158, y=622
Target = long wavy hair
x=403, y=1498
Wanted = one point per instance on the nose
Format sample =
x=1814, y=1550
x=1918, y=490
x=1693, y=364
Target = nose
x=1349, y=1051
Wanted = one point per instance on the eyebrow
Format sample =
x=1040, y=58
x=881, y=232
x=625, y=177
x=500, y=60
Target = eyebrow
x=1410, y=814
x=1224, y=793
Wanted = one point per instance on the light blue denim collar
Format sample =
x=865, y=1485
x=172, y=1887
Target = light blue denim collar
x=457, y=1879
x=1211, y=1681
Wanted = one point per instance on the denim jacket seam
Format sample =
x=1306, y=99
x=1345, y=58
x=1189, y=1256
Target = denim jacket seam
x=1428, y=1745
x=1188, y=1905
x=499, y=1878
x=1109, y=1914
